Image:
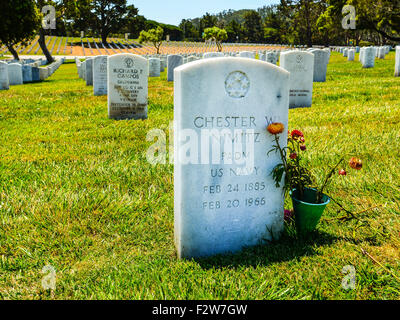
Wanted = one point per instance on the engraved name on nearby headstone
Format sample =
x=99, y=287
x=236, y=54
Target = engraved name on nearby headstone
x=127, y=86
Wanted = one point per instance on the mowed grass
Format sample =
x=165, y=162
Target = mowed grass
x=77, y=193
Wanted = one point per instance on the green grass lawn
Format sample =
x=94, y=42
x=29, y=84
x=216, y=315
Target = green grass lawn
x=77, y=193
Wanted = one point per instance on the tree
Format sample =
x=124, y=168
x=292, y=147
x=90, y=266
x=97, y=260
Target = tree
x=216, y=34
x=207, y=21
x=274, y=26
x=252, y=26
x=155, y=36
x=381, y=16
x=234, y=30
x=189, y=30
x=19, y=22
x=110, y=15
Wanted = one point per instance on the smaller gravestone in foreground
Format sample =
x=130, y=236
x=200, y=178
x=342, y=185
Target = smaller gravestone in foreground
x=397, y=63
x=4, y=82
x=173, y=62
x=100, y=76
x=300, y=64
x=127, y=86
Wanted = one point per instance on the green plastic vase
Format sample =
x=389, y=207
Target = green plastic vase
x=307, y=212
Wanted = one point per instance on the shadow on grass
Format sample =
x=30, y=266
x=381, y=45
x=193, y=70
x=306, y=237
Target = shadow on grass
x=286, y=249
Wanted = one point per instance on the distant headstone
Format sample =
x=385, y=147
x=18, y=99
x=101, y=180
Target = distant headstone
x=83, y=70
x=321, y=60
x=154, y=67
x=225, y=197
x=26, y=73
x=174, y=61
x=127, y=86
x=351, y=55
x=4, y=82
x=300, y=64
x=100, y=76
x=35, y=74
x=397, y=63
x=247, y=54
x=15, y=74
x=361, y=55
x=381, y=53
x=271, y=57
x=213, y=55
x=192, y=58
x=43, y=73
x=89, y=71
x=369, y=58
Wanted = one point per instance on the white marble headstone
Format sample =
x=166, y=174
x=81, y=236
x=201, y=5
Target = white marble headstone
x=321, y=60
x=397, y=63
x=154, y=67
x=351, y=55
x=225, y=197
x=369, y=57
x=300, y=64
x=247, y=54
x=173, y=62
x=15, y=74
x=208, y=55
x=127, y=86
x=100, y=75
x=4, y=82
x=89, y=71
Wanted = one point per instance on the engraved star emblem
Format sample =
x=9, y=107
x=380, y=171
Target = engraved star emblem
x=237, y=84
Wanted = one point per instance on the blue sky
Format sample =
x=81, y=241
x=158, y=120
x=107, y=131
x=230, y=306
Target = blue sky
x=173, y=11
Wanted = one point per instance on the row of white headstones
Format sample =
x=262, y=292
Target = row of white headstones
x=18, y=73
x=127, y=93
x=368, y=54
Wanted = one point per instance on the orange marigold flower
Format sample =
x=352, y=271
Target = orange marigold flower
x=297, y=134
x=276, y=128
x=355, y=163
x=342, y=172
